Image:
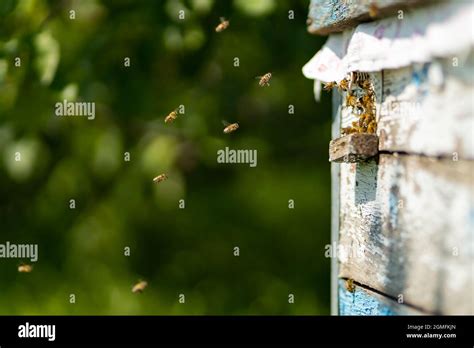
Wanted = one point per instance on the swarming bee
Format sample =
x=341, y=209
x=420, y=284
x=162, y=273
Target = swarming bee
x=223, y=25
x=360, y=96
x=160, y=178
x=352, y=100
x=327, y=86
x=230, y=127
x=171, y=116
x=264, y=80
x=139, y=287
x=25, y=268
x=343, y=85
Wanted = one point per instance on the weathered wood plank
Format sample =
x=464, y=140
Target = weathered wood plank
x=353, y=148
x=335, y=195
x=428, y=109
x=407, y=229
x=424, y=109
x=332, y=16
x=362, y=301
x=419, y=36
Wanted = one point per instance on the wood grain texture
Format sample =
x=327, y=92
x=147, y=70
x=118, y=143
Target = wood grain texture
x=335, y=195
x=407, y=228
x=330, y=16
x=362, y=301
x=428, y=109
x=352, y=148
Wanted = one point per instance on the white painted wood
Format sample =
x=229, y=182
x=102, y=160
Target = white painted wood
x=441, y=30
x=326, y=17
x=428, y=109
x=362, y=301
x=335, y=184
x=407, y=228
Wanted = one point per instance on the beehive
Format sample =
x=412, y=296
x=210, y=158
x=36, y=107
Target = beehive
x=402, y=203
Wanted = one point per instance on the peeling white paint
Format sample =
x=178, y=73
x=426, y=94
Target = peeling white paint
x=422, y=35
x=409, y=248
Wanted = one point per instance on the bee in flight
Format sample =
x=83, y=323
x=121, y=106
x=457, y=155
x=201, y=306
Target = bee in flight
x=172, y=116
x=343, y=85
x=327, y=86
x=25, y=268
x=160, y=178
x=223, y=25
x=230, y=127
x=139, y=287
x=264, y=80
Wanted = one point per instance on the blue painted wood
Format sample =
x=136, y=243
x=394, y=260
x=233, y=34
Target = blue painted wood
x=365, y=302
x=329, y=16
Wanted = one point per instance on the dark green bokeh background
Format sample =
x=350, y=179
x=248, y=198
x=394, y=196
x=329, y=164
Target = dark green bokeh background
x=189, y=251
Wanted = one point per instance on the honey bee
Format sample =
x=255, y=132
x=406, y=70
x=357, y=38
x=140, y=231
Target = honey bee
x=367, y=100
x=365, y=84
x=172, y=116
x=327, y=86
x=25, y=268
x=368, y=103
x=223, y=25
x=352, y=100
x=343, y=85
x=229, y=128
x=348, y=130
x=264, y=80
x=350, y=285
x=139, y=287
x=373, y=10
x=160, y=178
x=372, y=127
x=363, y=120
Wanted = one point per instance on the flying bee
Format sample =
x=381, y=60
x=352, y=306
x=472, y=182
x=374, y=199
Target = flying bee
x=172, y=116
x=373, y=10
x=327, y=86
x=343, y=85
x=264, y=80
x=25, y=268
x=139, y=287
x=350, y=285
x=229, y=128
x=160, y=178
x=223, y=25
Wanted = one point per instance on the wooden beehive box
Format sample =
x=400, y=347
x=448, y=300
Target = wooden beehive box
x=402, y=199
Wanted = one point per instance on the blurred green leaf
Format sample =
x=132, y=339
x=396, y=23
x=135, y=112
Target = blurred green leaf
x=47, y=59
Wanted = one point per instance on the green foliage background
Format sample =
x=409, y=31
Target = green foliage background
x=190, y=251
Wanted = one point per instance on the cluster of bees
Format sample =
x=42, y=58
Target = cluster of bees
x=360, y=97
